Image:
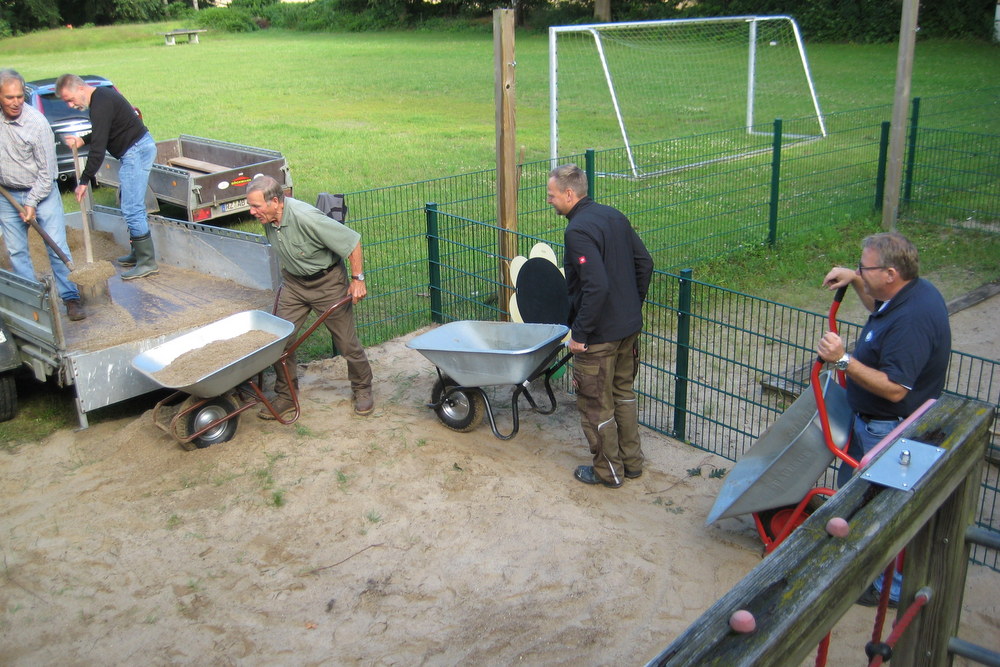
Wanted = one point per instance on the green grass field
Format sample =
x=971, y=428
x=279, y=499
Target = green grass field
x=358, y=111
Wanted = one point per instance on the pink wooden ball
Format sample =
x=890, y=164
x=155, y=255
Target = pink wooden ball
x=838, y=527
x=742, y=621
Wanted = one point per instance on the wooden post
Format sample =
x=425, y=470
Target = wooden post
x=900, y=105
x=938, y=557
x=504, y=63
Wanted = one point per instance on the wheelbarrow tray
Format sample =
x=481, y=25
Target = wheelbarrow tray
x=217, y=381
x=784, y=463
x=477, y=353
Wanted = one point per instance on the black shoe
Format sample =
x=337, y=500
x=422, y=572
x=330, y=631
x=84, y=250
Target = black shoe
x=633, y=474
x=587, y=475
x=871, y=598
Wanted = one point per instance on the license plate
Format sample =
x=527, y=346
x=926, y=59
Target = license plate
x=233, y=205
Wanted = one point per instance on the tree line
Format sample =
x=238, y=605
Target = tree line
x=820, y=20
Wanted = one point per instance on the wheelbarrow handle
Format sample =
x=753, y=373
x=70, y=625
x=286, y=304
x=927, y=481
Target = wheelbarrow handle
x=315, y=325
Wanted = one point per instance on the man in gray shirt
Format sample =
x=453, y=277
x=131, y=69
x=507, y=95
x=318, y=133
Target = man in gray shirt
x=28, y=171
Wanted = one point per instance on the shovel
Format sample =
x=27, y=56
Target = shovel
x=41, y=232
x=84, y=210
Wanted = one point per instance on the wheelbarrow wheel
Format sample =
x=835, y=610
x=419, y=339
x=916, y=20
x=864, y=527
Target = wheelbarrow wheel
x=460, y=411
x=214, y=408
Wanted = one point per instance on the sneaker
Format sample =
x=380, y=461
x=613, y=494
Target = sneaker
x=364, y=404
x=74, y=311
x=282, y=407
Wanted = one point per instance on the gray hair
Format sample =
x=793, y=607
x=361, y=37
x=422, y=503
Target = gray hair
x=570, y=177
x=896, y=251
x=267, y=186
x=71, y=81
x=7, y=75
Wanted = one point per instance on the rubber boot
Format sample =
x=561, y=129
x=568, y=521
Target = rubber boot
x=145, y=265
x=129, y=259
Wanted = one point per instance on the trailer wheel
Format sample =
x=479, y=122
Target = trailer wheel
x=461, y=411
x=214, y=408
x=8, y=396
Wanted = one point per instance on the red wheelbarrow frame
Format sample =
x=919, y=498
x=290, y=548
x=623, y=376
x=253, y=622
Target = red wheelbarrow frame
x=248, y=394
x=783, y=520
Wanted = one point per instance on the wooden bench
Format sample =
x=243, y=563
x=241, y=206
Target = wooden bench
x=192, y=35
x=192, y=164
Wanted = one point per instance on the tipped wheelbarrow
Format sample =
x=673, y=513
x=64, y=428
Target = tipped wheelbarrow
x=775, y=480
x=470, y=355
x=205, y=410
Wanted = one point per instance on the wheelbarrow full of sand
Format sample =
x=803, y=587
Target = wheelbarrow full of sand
x=216, y=372
x=470, y=355
x=775, y=480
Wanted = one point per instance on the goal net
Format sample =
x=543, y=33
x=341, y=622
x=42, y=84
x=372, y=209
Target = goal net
x=617, y=84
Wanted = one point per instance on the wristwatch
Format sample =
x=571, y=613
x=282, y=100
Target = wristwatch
x=843, y=362
x=360, y=277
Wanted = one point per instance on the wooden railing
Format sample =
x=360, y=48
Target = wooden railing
x=799, y=592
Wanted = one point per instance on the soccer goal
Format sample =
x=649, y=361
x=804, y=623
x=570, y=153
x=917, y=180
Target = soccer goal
x=617, y=84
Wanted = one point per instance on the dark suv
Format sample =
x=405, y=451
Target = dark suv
x=62, y=118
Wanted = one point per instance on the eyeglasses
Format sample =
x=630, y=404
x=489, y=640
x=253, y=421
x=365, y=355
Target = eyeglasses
x=862, y=269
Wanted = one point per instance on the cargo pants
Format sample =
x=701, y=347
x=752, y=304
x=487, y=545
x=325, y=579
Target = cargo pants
x=298, y=297
x=609, y=412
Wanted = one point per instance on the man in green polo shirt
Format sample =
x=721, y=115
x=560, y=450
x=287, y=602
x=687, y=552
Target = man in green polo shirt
x=312, y=249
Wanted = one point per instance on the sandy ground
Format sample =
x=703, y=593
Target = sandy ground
x=386, y=540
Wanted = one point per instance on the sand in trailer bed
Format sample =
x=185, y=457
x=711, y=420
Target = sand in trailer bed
x=195, y=364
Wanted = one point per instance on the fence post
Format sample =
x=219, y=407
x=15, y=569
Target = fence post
x=591, y=168
x=433, y=262
x=911, y=156
x=772, y=222
x=883, y=155
x=681, y=362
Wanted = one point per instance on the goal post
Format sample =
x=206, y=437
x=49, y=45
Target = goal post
x=631, y=83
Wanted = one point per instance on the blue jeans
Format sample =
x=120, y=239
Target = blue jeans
x=134, y=180
x=864, y=437
x=49, y=214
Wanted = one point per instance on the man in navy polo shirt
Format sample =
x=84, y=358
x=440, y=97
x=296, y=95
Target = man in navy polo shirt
x=901, y=357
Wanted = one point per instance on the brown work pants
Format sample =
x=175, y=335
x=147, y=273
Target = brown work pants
x=297, y=299
x=609, y=412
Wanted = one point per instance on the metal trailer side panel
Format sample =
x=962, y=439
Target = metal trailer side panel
x=27, y=310
x=244, y=258
x=103, y=377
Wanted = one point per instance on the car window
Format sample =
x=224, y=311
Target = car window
x=55, y=109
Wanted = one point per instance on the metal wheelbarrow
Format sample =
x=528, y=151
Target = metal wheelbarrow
x=775, y=479
x=205, y=411
x=472, y=354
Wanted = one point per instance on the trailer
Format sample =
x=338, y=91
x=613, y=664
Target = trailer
x=206, y=273
x=206, y=178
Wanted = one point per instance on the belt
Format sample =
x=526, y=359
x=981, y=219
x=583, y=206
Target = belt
x=319, y=274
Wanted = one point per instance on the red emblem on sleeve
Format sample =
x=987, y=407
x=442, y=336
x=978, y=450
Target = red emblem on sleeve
x=582, y=260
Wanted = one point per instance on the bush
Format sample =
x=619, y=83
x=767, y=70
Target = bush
x=226, y=19
x=179, y=10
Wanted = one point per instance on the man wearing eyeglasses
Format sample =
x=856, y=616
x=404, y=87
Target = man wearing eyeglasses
x=901, y=356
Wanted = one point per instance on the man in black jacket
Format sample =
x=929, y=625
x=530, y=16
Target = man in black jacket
x=608, y=271
x=117, y=129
